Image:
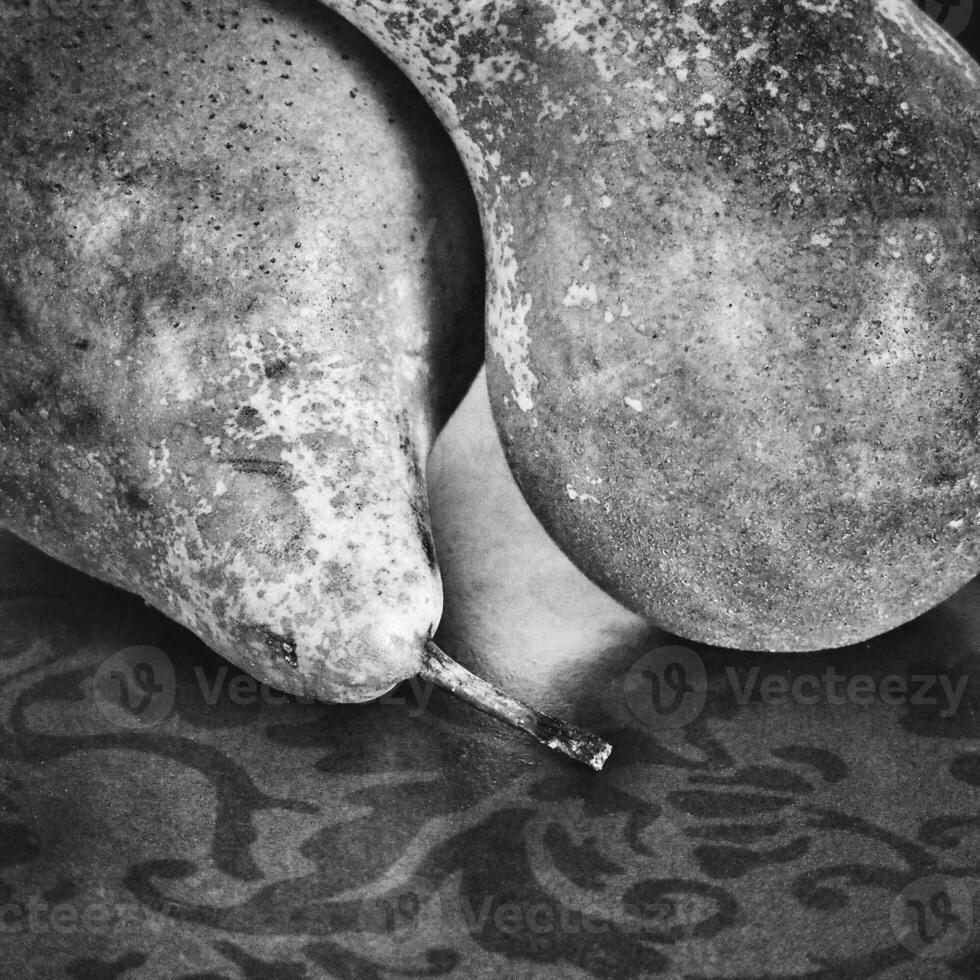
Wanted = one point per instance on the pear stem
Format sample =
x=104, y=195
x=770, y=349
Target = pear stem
x=578, y=744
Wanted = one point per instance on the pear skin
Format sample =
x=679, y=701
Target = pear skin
x=242, y=290
x=732, y=295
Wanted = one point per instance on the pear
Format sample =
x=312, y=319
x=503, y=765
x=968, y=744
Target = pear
x=732, y=277
x=241, y=295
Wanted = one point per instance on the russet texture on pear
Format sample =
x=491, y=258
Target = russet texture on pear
x=733, y=284
x=241, y=290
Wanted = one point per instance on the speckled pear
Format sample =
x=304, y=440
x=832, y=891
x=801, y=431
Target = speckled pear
x=241, y=292
x=733, y=291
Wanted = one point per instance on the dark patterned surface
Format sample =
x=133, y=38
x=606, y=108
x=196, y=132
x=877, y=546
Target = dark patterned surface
x=261, y=840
